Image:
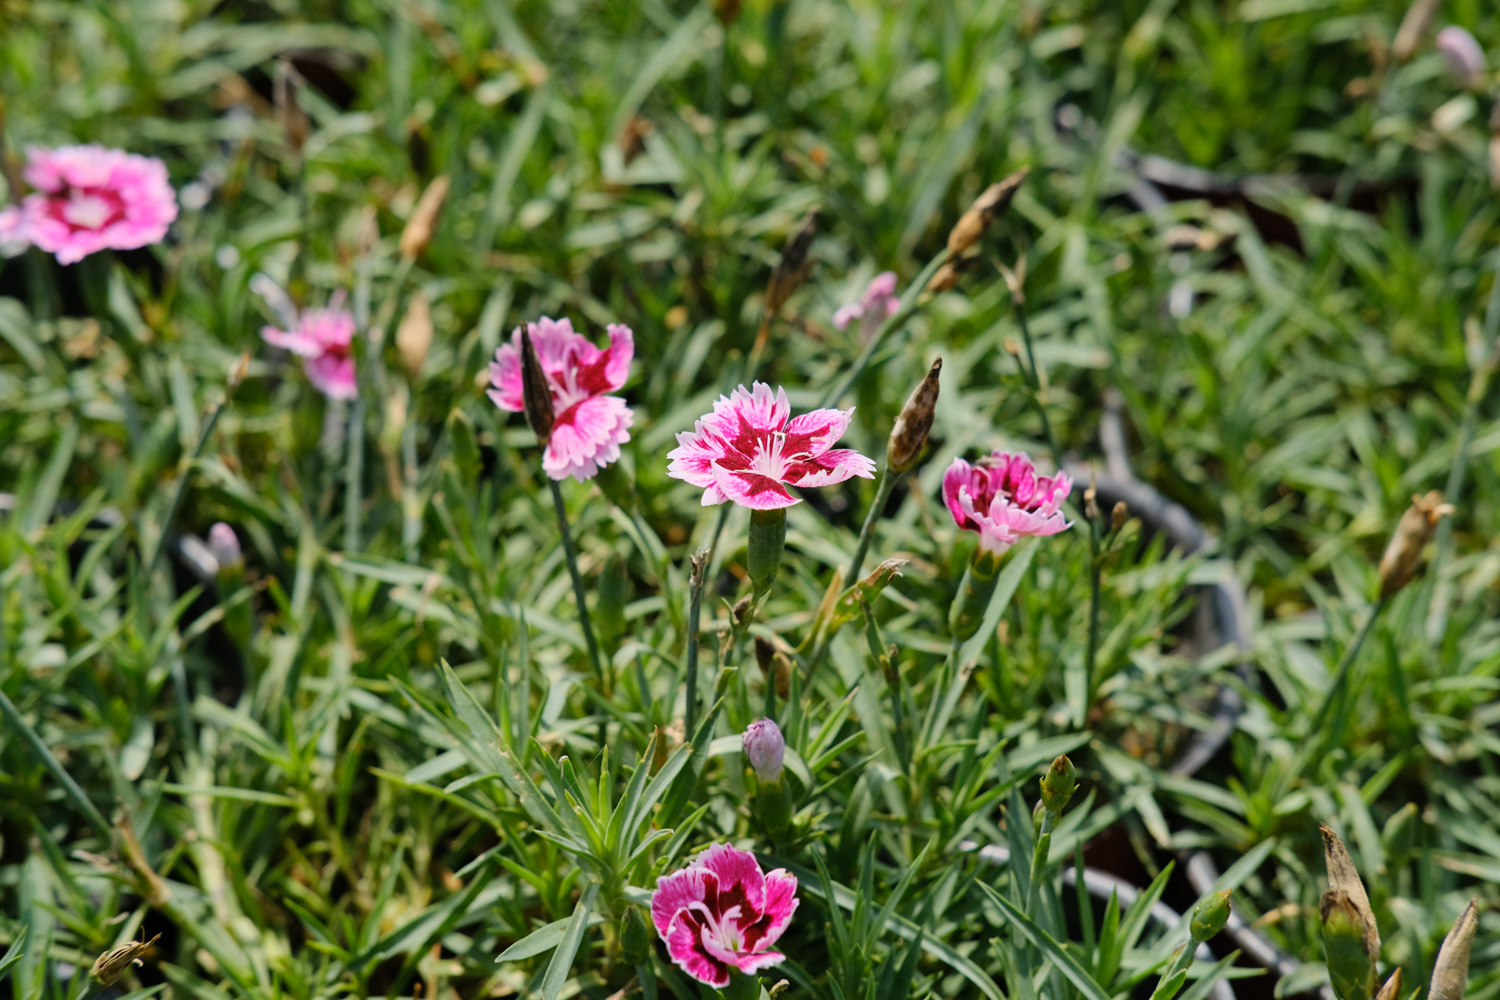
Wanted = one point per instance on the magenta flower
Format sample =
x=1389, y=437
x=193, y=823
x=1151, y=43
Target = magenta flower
x=720, y=913
x=87, y=199
x=324, y=338
x=879, y=303
x=1003, y=499
x=750, y=449
x=588, y=426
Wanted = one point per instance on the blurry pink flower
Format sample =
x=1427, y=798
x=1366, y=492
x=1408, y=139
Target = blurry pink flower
x=880, y=302
x=1003, y=499
x=588, y=426
x=750, y=449
x=1465, y=57
x=720, y=913
x=323, y=337
x=87, y=199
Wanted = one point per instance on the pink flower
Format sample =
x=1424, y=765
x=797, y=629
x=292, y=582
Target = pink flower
x=879, y=303
x=588, y=426
x=323, y=337
x=721, y=912
x=1003, y=499
x=87, y=199
x=765, y=748
x=750, y=449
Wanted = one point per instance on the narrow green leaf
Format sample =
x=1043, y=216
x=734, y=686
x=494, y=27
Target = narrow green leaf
x=567, y=946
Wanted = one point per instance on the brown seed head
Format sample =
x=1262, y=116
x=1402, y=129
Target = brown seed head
x=536, y=394
x=1118, y=515
x=988, y=207
x=111, y=965
x=793, y=267
x=913, y=423
x=1392, y=988
x=1403, y=555
x=1347, y=892
x=414, y=335
x=423, y=222
x=1450, y=974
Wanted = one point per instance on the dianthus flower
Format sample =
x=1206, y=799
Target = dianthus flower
x=588, y=426
x=880, y=302
x=324, y=338
x=721, y=912
x=751, y=448
x=87, y=199
x=1003, y=499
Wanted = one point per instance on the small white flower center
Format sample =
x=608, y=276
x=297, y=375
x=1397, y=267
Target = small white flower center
x=769, y=460
x=86, y=211
x=724, y=931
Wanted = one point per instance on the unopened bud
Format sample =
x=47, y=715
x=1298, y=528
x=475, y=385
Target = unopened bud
x=791, y=270
x=1091, y=503
x=1351, y=940
x=765, y=749
x=294, y=123
x=1415, y=529
x=913, y=423
x=782, y=985
x=1118, y=515
x=635, y=937
x=1392, y=988
x=1450, y=973
x=414, y=335
x=1413, y=29
x=1015, y=281
x=111, y=965
x=224, y=545
x=238, y=371
x=1058, y=785
x=422, y=224
x=988, y=207
x=1210, y=916
x=1464, y=56
x=536, y=394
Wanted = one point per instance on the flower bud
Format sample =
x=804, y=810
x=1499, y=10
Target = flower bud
x=1392, y=988
x=536, y=394
x=913, y=423
x=791, y=270
x=1210, y=916
x=1450, y=974
x=1058, y=785
x=947, y=276
x=635, y=937
x=1415, y=529
x=110, y=966
x=767, y=540
x=1465, y=57
x=1351, y=968
x=1118, y=515
x=765, y=749
x=423, y=222
x=988, y=207
x=414, y=335
x=224, y=545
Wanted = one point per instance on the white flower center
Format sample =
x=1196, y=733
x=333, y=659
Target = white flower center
x=86, y=211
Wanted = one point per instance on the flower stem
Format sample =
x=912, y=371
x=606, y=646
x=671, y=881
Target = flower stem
x=1341, y=674
x=579, y=594
x=897, y=320
x=1039, y=858
x=695, y=605
x=888, y=481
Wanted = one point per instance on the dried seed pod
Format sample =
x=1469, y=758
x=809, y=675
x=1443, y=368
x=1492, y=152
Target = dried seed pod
x=1118, y=515
x=110, y=966
x=1351, y=940
x=1413, y=29
x=414, y=335
x=791, y=270
x=988, y=207
x=423, y=222
x=536, y=394
x=913, y=423
x=947, y=276
x=1415, y=529
x=1450, y=974
x=1392, y=988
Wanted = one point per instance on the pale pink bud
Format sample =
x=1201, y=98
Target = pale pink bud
x=225, y=546
x=764, y=749
x=1465, y=57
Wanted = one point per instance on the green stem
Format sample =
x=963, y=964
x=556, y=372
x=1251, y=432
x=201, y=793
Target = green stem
x=695, y=606
x=888, y=482
x=1039, y=859
x=897, y=320
x=1341, y=674
x=16, y=723
x=579, y=593
x=209, y=422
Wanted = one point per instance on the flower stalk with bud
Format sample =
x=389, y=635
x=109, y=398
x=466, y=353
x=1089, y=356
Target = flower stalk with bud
x=765, y=751
x=1058, y=786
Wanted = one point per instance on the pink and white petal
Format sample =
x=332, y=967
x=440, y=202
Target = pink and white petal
x=13, y=231
x=752, y=489
x=816, y=431
x=333, y=376
x=739, y=416
x=753, y=963
x=505, y=376
x=678, y=891
x=741, y=881
x=847, y=314
x=830, y=467
x=955, y=480
x=586, y=437
x=713, y=496
x=693, y=458
x=685, y=945
x=781, y=902
x=297, y=343
x=553, y=339
x=621, y=352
